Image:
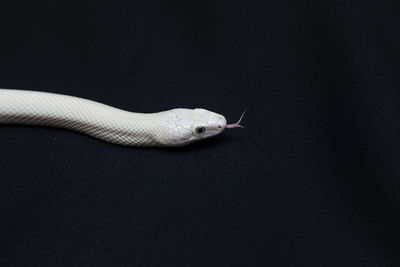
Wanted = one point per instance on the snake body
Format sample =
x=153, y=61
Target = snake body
x=175, y=127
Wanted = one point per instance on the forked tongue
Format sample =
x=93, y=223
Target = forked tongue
x=236, y=125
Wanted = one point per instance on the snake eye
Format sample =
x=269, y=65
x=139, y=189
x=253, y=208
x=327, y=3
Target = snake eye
x=200, y=130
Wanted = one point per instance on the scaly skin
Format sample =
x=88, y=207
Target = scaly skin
x=175, y=127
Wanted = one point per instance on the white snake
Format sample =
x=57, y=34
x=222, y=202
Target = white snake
x=175, y=127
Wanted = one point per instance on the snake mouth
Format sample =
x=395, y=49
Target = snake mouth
x=236, y=124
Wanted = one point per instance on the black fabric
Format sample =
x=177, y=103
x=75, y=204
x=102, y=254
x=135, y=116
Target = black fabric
x=312, y=181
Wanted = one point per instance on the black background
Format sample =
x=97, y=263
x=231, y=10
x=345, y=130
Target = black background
x=312, y=181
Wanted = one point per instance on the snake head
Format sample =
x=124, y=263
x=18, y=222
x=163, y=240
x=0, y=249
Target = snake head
x=191, y=125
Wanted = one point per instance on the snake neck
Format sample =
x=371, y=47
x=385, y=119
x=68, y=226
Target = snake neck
x=89, y=117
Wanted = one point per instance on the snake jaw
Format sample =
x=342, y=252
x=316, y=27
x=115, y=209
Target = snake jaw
x=236, y=124
x=186, y=123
